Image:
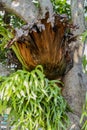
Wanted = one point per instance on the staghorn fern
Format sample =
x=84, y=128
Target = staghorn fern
x=35, y=101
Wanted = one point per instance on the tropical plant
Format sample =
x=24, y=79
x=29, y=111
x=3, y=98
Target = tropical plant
x=31, y=49
x=84, y=59
x=84, y=115
x=83, y=119
x=5, y=37
x=34, y=101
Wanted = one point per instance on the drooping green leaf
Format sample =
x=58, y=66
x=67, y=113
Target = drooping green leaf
x=35, y=101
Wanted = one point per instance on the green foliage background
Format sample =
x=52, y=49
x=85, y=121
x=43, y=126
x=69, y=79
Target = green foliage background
x=61, y=7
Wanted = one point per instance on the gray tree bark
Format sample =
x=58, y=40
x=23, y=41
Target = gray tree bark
x=75, y=86
x=27, y=10
x=4, y=71
x=74, y=90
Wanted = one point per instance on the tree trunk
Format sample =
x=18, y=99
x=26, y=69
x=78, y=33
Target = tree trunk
x=74, y=81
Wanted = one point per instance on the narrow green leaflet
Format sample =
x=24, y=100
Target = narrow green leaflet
x=35, y=102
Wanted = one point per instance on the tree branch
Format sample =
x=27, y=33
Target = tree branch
x=26, y=9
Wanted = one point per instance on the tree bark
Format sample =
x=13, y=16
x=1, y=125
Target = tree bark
x=4, y=71
x=74, y=81
x=27, y=10
x=77, y=13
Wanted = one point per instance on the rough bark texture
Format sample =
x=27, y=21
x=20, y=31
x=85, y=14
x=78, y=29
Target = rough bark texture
x=75, y=86
x=77, y=12
x=27, y=10
x=3, y=70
